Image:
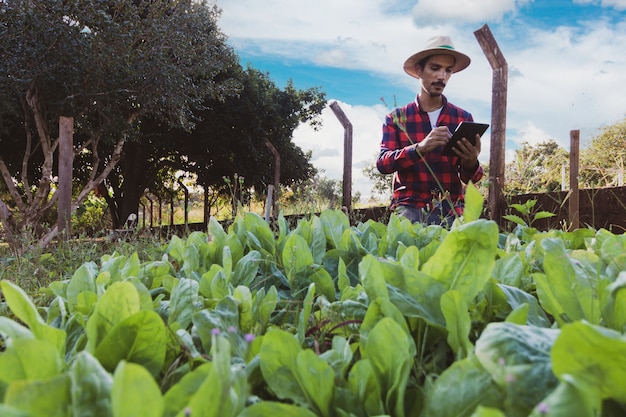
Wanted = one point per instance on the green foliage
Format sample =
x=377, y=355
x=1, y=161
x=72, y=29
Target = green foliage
x=331, y=320
x=38, y=267
x=536, y=168
x=111, y=67
x=246, y=131
x=382, y=184
x=603, y=160
x=230, y=148
x=90, y=219
x=528, y=215
x=305, y=198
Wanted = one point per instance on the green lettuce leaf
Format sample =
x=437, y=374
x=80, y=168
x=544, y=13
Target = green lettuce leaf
x=595, y=357
x=135, y=392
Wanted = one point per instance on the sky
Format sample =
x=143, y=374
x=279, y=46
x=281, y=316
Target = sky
x=566, y=65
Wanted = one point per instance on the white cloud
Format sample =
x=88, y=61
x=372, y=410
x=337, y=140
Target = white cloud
x=322, y=21
x=332, y=57
x=433, y=12
x=347, y=34
x=568, y=79
x=531, y=134
x=616, y=4
x=366, y=134
x=560, y=79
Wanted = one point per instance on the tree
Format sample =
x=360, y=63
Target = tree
x=230, y=139
x=316, y=194
x=382, y=184
x=235, y=136
x=536, y=169
x=602, y=162
x=106, y=64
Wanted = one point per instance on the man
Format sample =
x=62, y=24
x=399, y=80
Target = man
x=428, y=186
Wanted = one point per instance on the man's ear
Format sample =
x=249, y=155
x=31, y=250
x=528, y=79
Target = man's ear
x=418, y=71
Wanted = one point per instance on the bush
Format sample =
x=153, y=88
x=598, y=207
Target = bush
x=89, y=219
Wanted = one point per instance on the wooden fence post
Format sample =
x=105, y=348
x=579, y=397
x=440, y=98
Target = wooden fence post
x=160, y=210
x=151, y=210
x=143, y=215
x=186, y=191
x=269, y=202
x=574, y=202
x=499, y=88
x=66, y=158
x=347, y=154
x=276, y=187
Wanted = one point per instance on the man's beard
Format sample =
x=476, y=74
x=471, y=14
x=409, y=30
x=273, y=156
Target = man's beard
x=435, y=93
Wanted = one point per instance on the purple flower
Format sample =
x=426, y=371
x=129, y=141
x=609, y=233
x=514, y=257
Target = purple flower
x=249, y=337
x=542, y=408
x=215, y=331
x=232, y=329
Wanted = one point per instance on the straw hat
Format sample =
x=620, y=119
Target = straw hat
x=437, y=46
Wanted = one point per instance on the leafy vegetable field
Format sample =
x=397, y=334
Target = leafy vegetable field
x=331, y=320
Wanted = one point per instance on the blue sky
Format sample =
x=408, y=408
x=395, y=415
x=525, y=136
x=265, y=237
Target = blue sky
x=567, y=67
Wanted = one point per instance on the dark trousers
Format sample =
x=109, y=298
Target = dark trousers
x=442, y=214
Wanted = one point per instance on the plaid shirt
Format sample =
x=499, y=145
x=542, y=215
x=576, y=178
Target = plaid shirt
x=413, y=184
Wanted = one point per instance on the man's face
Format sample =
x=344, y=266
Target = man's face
x=435, y=74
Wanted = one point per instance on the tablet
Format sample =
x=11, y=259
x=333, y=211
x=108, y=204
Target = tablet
x=464, y=130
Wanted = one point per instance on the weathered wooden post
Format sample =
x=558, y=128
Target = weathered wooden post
x=499, y=90
x=171, y=225
x=347, y=154
x=206, y=212
x=160, y=202
x=151, y=210
x=186, y=191
x=574, y=204
x=66, y=158
x=143, y=214
x=276, y=187
x=269, y=202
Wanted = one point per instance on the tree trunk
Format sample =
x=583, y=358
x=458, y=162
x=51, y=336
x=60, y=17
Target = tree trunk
x=133, y=168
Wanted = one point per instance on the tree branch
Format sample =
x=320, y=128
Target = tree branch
x=8, y=224
x=27, y=151
x=117, y=154
x=8, y=180
x=43, y=189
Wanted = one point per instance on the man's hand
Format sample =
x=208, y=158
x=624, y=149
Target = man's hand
x=439, y=136
x=468, y=153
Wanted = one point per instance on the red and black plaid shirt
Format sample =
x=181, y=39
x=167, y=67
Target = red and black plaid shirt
x=413, y=183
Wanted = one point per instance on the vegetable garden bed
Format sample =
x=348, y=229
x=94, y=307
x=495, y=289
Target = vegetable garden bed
x=333, y=320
